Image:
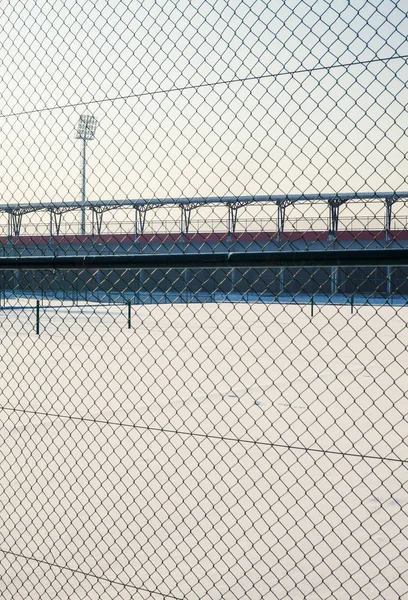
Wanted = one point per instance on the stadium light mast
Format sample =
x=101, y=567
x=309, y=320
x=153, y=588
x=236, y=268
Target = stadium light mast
x=85, y=131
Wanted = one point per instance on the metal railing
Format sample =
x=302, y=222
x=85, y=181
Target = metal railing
x=213, y=225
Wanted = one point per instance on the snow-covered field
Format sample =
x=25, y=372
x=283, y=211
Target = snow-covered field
x=217, y=451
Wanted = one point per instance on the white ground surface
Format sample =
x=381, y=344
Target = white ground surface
x=212, y=451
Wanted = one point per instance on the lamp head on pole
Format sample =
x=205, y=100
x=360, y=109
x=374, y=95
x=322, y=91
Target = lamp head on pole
x=86, y=127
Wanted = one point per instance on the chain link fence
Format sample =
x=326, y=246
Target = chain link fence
x=164, y=442
x=203, y=300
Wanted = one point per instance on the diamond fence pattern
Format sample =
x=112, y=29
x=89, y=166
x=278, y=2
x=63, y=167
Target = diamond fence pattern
x=203, y=300
x=164, y=442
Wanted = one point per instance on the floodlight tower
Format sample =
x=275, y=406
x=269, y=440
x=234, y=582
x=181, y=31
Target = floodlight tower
x=85, y=131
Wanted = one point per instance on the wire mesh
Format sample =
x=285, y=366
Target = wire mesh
x=226, y=419
x=203, y=434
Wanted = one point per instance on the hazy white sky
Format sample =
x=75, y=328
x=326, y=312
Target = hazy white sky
x=327, y=130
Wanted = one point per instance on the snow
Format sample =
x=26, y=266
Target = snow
x=211, y=451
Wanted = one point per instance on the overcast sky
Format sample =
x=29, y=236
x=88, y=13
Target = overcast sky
x=125, y=62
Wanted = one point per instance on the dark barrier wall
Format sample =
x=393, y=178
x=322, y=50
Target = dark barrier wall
x=369, y=281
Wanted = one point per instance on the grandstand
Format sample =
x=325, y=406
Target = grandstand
x=48, y=231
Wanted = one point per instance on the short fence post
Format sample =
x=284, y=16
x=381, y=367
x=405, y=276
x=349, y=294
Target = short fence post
x=37, y=324
x=352, y=303
x=129, y=303
x=312, y=304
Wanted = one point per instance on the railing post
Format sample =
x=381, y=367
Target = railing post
x=37, y=318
